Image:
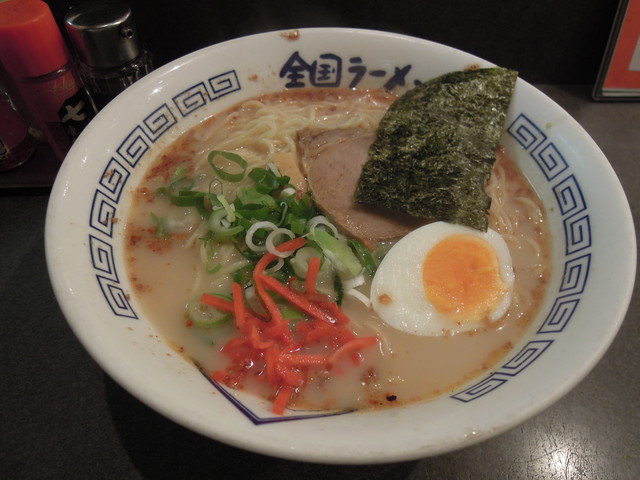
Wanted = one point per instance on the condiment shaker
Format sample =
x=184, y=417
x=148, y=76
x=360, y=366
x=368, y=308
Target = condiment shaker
x=16, y=143
x=42, y=72
x=110, y=55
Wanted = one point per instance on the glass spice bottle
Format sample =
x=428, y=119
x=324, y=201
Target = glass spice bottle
x=35, y=57
x=16, y=142
x=110, y=55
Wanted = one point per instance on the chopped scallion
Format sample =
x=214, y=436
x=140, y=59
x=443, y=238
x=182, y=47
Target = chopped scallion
x=161, y=228
x=365, y=256
x=338, y=253
x=232, y=157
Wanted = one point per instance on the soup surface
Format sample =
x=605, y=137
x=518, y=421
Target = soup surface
x=171, y=267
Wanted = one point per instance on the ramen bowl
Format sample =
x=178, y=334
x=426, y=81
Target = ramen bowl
x=592, y=253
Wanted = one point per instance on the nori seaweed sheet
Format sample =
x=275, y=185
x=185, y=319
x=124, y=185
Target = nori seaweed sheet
x=435, y=147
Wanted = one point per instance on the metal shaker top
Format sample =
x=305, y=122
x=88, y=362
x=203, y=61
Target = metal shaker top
x=103, y=33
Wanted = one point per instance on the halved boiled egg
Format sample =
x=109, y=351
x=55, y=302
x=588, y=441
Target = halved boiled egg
x=444, y=279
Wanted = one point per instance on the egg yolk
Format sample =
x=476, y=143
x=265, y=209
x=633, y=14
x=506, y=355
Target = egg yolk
x=461, y=278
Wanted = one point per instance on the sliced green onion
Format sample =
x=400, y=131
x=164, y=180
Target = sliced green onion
x=161, y=227
x=296, y=224
x=339, y=289
x=283, y=216
x=243, y=275
x=251, y=233
x=232, y=157
x=246, y=252
x=292, y=315
x=187, y=198
x=321, y=220
x=217, y=227
x=288, y=192
x=274, y=237
x=266, y=181
x=207, y=317
x=338, y=253
x=357, y=294
x=228, y=208
x=215, y=269
x=252, y=196
x=215, y=183
x=179, y=174
x=272, y=167
x=365, y=256
x=300, y=260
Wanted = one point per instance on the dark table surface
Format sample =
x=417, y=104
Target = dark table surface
x=62, y=417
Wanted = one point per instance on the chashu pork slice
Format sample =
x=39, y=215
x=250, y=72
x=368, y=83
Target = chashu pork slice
x=332, y=161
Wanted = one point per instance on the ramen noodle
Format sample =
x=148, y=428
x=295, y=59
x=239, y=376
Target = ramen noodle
x=170, y=274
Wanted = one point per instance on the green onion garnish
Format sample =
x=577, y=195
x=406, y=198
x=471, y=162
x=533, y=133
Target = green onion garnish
x=232, y=157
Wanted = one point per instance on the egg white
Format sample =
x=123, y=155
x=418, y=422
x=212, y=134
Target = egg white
x=399, y=279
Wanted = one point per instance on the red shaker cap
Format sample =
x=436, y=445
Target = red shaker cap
x=30, y=42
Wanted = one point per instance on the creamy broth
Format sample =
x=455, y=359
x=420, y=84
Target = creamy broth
x=167, y=274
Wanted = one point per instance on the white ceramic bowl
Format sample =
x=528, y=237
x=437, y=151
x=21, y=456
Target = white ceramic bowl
x=594, y=248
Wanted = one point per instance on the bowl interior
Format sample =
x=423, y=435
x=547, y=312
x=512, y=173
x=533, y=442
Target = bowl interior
x=593, y=248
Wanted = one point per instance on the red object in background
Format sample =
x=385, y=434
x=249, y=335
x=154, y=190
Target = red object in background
x=624, y=69
x=36, y=59
x=619, y=77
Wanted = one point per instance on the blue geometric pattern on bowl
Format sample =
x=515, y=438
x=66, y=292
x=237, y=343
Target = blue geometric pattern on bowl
x=577, y=230
x=330, y=70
